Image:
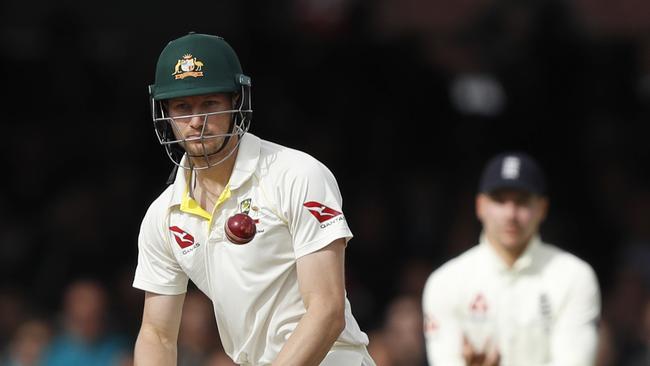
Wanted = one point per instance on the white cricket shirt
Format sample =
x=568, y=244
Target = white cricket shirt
x=542, y=311
x=296, y=204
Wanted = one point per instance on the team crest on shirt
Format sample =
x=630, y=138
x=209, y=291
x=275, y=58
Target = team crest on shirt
x=478, y=307
x=188, y=66
x=246, y=207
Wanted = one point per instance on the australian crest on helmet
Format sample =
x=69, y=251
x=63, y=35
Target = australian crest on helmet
x=188, y=66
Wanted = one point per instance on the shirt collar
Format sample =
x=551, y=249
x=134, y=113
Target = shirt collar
x=247, y=159
x=245, y=164
x=524, y=261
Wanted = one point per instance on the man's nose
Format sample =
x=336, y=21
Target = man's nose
x=197, y=122
x=511, y=208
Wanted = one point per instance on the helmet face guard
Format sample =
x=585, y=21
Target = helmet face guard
x=171, y=138
x=199, y=64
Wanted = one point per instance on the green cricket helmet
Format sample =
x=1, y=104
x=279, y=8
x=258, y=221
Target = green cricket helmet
x=199, y=64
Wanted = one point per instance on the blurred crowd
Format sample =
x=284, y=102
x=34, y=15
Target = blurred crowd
x=403, y=100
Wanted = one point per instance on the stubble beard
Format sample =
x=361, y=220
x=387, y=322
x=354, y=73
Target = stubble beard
x=210, y=149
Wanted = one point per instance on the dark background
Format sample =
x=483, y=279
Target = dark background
x=403, y=100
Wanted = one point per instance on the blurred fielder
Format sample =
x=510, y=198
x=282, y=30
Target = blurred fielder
x=512, y=300
x=275, y=271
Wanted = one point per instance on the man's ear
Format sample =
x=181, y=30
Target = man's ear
x=479, y=205
x=235, y=99
x=544, y=205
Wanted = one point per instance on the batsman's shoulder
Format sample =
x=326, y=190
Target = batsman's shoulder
x=159, y=206
x=288, y=164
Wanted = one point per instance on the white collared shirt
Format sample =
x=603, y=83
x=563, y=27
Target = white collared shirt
x=296, y=204
x=541, y=311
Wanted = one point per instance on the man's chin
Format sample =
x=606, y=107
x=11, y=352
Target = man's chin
x=211, y=158
x=513, y=242
x=199, y=152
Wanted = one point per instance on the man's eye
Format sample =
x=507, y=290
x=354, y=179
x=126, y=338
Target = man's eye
x=211, y=103
x=180, y=107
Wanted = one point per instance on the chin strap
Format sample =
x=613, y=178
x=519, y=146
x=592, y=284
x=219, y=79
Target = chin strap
x=225, y=141
x=172, y=176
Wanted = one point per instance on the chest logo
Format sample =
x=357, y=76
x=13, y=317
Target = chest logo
x=479, y=305
x=321, y=212
x=183, y=238
x=245, y=206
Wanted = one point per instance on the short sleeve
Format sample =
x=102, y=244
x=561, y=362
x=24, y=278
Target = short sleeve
x=312, y=205
x=575, y=335
x=157, y=270
x=442, y=328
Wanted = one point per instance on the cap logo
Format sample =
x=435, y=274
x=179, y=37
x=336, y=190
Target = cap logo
x=188, y=66
x=510, y=167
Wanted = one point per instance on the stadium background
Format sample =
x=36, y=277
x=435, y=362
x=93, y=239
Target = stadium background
x=403, y=100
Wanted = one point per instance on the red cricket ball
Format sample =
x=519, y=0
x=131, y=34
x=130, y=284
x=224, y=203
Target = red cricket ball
x=240, y=228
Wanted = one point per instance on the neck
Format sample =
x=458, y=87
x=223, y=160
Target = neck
x=216, y=176
x=211, y=182
x=509, y=255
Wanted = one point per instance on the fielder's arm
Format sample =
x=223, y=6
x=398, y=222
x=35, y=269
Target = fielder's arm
x=574, y=340
x=157, y=340
x=322, y=286
x=442, y=327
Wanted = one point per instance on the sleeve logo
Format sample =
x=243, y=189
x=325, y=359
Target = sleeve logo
x=430, y=324
x=321, y=212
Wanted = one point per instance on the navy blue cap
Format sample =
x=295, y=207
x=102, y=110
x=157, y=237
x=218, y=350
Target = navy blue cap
x=513, y=170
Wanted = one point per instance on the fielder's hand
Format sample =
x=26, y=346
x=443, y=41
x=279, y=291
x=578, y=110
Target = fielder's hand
x=489, y=357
